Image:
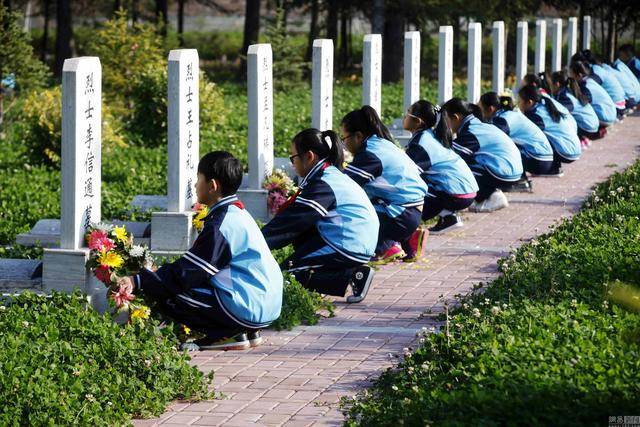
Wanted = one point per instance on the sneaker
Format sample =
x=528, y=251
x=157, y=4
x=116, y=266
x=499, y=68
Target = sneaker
x=522, y=186
x=255, y=338
x=554, y=173
x=416, y=245
x=495, y=202
x=237, y=342
x=584, y=143
x=446, y=223
x=391, y=254
x=360, y=283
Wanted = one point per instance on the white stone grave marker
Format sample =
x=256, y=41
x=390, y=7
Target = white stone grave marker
x=372, y=72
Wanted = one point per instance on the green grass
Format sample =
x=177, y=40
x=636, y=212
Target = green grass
x=543, y=344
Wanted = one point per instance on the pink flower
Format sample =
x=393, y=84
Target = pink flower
x=275, y=200
x=99, y=241
x=124, y=295
x=103, y=273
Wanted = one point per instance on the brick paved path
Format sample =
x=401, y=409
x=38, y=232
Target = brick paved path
x=297, y=377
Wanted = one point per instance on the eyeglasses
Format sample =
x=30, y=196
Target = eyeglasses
x=291, y=158
x=344, y=138
x=412, y=115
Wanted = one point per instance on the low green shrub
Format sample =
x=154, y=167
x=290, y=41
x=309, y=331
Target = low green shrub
x=62, y=363
x=544, y=344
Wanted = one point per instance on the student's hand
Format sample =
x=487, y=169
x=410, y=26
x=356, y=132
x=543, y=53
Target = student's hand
x=151, y=266
x=125, y=282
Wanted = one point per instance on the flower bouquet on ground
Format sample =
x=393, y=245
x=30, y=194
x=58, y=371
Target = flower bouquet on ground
x=114, y=256
x=279, y=187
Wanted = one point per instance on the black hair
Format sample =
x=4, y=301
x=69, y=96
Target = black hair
x=476, y=111
x=457, y=106
x=580, y=69
x=591, y=57
x=628, y=49
x=428, y=114
x=222, y=166
x=540, y=80
x=325, y=144
x=561, y=78
x=491, y=99
x=366, y=121
x=531, y=93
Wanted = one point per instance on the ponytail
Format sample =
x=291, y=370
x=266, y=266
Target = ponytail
x=367, y=121
x=326, y=145
x=433, y=117
x=561, y=78
x=491, y=99
x=457, y=106
x=531, y=93
x=540, y=81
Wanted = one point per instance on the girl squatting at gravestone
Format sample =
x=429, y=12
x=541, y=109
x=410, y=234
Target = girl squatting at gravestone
x=567, y=91
x=492, y=156
x=391, y=180
x=561, y=132
x=602, y=103
x=606, y=78
x=330, y=222
x=535, y=149
x=452, y=186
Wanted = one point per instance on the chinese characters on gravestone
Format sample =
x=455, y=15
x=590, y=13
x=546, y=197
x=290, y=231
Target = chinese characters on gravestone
x=322, y=85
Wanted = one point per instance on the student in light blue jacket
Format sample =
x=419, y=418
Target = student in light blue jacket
x=632, y=82
x=628, y=56
x=452, y=186
x=567, y=91
x=562, y=133
x=391, y=180
x=602, y=103
x=535, y=149
x=492, y=156
x=606, y=78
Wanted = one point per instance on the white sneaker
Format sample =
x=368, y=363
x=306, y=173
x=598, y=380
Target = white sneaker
x=495, y=202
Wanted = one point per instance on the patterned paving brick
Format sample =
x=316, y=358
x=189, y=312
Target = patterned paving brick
x=297, y=377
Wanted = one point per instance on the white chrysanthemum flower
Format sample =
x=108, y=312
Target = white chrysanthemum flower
x=495, y=310
x=475, y=312
x=136, y=251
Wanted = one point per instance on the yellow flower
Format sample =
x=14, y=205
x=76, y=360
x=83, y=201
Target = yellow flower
x=121, y=234
x=198, y=218
x=141, y=313
x=186, y=330
x=110, y=259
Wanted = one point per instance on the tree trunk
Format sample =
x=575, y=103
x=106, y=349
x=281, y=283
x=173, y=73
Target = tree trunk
x=181, y=21
x=134, y=11
x=344, y=55
x=377, y=17
x=611, y=41
x=64, y=34
x=603, y=43
x=391, y=47
x=313, y=29
x=162, y=16
x=581, y=26
x=117, y=5
x=251, y=30
x=45, y=32
x=332, y=21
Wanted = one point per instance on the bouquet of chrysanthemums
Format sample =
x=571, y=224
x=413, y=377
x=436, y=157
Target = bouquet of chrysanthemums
x=201, y=211
x=112, y=257
x=279, y=187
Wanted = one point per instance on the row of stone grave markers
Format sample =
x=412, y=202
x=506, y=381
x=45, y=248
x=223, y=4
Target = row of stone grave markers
x=170, y=231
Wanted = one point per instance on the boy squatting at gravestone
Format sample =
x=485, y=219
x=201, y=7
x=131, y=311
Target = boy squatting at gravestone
x=227, y=286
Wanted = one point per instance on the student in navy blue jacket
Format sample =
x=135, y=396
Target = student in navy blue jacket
x=561, y=132
x=589, y=84
x=628, y=56
x=567, y=91
x=452, y=186
x=536, y=152
x=492, y=156
x=330, y=222
x=391, y=180
x=228, y=283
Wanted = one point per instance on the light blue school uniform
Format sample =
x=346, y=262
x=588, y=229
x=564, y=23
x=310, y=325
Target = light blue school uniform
x=562, y=135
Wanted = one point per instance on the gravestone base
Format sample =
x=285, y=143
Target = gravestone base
x=64, y=270
x=17, y=275
x=46, y=233
x=171, y=232
x=255, y=202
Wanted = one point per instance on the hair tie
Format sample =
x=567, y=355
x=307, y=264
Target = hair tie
x=327, y=139
x=438, y=118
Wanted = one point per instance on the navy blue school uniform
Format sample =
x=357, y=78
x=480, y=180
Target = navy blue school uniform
x=627, y=80
x=332, y=226
x=562, y=135
x=393, y=183
x=450, y=181
x=492, y=156
x=602, y=103
x=634, y=66
x=228, y=282
x=584, y=115
x=536, y=152
x=610, y=84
